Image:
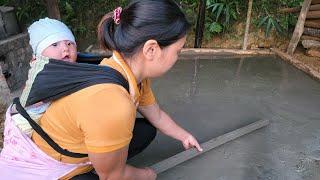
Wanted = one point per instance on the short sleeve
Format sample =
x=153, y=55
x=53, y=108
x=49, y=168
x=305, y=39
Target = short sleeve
x=106, y=118
x=147, y=97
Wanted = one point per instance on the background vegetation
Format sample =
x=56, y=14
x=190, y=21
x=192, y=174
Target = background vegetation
x=222, y=17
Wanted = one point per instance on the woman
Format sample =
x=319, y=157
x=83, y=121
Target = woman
x=99, y=120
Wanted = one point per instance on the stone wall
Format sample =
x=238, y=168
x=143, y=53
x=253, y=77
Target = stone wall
x=15, y=55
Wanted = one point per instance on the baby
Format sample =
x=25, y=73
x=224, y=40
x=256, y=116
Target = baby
x=52, y=39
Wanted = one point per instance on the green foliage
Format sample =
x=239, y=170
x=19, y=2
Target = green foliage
x=215, y=27
x=269, y=23
x=223, y=9
x=4, y=2
x=190, y=8
x=268, y=18
x=221, y=15
x=82, y=16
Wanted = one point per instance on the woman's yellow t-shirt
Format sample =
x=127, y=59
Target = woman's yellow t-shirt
x=97, y=119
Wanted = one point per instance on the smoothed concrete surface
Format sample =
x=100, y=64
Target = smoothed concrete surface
x=213, y=97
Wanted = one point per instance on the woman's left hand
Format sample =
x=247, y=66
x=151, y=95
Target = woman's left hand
x=190, y=142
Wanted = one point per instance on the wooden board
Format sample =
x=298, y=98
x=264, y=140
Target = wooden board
x=312, y=23
x=306, y=37
x=313, y=15
x=213, y=143
x=315, y=2
x=312, y=32
x=314, y=7
x=310, y=44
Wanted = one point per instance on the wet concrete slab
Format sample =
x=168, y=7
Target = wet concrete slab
x=210, y=97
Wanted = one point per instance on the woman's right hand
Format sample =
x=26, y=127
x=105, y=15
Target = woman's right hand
x=151, y=174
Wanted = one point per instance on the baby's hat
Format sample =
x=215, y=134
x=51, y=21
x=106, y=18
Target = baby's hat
x=47, y=31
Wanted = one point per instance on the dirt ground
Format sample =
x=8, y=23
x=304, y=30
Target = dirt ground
x=312, y=62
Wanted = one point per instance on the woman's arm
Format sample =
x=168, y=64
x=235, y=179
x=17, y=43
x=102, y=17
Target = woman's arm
x=112, y=165
x=166, y=125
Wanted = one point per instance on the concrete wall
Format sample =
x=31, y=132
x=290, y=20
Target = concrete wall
x=15, y=55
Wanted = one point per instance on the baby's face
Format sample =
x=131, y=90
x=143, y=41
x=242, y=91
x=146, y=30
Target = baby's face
x=62, y=50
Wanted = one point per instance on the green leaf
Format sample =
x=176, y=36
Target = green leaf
x=215, y=27
x=219, y=11
x=263, y=20
x=69, y=9
x=227, y=13
x=269, y=27
x=278, y=27
x=215, y=6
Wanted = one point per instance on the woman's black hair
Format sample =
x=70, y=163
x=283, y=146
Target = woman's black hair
x=140, y=21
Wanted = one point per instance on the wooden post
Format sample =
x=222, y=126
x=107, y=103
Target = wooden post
x=200, y=24
x=299, y=27
x=53, y=9
x=246, y=34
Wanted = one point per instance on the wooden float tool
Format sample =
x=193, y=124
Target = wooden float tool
x=213, y=143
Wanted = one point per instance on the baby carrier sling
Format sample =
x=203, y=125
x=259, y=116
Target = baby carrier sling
x=51, y=79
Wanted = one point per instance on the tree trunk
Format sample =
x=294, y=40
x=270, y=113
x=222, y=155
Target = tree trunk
x=312, y=23
x=53, y=9
x=299, y=27
x=305, y=37
x=315, y=2
x=313, y=15
x=312, y=32
x=246, y=34
x=314, y=52
x=200, y=24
